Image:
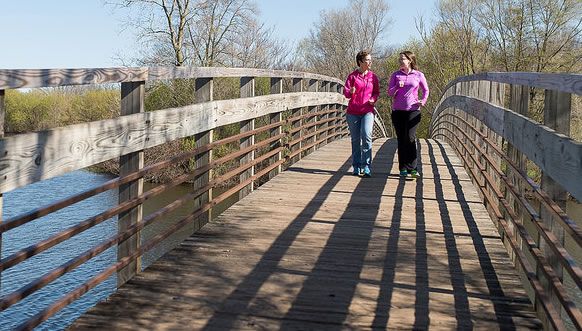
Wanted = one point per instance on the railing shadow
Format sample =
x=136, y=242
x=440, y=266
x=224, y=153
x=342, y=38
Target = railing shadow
x=504, y=313
x=335, y=304
x=331, y=294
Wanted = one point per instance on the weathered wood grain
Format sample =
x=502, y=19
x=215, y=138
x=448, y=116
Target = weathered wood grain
x=318, y=249
x=31, y=78
x=35, y=156
x=557, y=155
x=208, y=72
x=132, y=102
x=571, y=83
x=35, y=78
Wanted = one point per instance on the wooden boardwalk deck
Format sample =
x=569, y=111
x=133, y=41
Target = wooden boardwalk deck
x=319, y=249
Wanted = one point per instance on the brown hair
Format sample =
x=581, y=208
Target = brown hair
x=410, y=56
x=361, y=56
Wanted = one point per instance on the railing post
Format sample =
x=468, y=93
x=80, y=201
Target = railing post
x=297, y=87
x=465, y=90
x=247, y=89
x=519, y=103
x=204, y=89
x=313, y=87
x=344, y=120
x=474, y=93
x=324, y=88
x=2, y=115
x=496, y=97
x=454, y=121
x=557, y=112
x=276, y=88
x=132, y=101
x=333, y=88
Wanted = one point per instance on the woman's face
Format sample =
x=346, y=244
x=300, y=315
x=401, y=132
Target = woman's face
x=366, y=64
x=404, y=62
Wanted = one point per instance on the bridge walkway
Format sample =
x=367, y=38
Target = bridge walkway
x=318, y=249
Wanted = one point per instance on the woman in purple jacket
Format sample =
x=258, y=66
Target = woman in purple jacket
x=403, y=86
x=362, y=89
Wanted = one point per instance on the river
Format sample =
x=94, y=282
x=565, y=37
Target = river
x=45, y=192
x=42, y=193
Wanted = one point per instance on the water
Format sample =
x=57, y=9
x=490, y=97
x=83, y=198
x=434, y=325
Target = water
x=42, y=193
x=39, y=194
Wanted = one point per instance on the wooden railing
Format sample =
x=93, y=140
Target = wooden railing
x=495, y=139
x=309, y=114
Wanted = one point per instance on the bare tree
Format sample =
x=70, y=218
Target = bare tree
x=340, y=34
x=193, y=32
x=256, y=47
x=216, y=25
x=161, y=24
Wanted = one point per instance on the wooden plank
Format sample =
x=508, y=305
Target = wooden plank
x=313, y=86
x=132, y=101
x=323, y=108
x=204, y=93
x=557, y=114
x=31, y=78
x=247, y=89
x=276, y=88
x=570, y=83
x=316, y=248
x=295, y=112
x=210, y=72
x=34, y=78
x=30, y=157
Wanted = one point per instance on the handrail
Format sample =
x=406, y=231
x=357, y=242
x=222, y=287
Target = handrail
x=35, y=78
x=571, y=83
x=472, y=117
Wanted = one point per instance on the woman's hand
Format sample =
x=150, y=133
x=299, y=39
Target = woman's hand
x=372, y=101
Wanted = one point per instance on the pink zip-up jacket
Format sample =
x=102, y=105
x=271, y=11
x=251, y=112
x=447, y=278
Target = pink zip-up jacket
x=406, y=97
x=367, y=88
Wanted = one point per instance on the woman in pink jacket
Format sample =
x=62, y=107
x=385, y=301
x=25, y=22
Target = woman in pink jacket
x=362, y=89
x=404, y=85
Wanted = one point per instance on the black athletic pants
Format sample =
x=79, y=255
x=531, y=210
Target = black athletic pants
x=405, y=123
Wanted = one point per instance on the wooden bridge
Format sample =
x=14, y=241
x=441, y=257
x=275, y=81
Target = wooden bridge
x=314, y=247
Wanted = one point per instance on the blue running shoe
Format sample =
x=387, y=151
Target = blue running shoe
x=367, y=172
x=414, y=174
x=356, y=171
x=403, y=173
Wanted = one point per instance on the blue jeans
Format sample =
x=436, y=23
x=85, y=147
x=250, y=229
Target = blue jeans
x=361, y=130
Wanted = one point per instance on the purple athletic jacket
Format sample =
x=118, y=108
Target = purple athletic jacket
x=406, y=97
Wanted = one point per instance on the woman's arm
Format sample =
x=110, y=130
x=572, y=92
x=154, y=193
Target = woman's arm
x=375, y=89
x=348, y=86
x=424, y=87
x=392, y=86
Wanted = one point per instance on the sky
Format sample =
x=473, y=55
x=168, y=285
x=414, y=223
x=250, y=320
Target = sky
x=41, y=34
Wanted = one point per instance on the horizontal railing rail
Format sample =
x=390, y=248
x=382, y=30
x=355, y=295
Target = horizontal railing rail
x=289, y=126
x=498, y=144
x=34, y=78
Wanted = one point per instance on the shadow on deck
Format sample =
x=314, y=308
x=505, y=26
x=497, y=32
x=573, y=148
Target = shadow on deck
x=316, y=248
